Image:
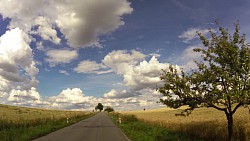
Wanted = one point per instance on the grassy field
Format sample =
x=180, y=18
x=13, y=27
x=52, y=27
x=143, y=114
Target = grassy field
x=22, y=124
x=137, y=130
x=203, y=123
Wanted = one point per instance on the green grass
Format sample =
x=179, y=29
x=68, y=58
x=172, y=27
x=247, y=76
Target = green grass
x=22, y=124
x=137, y=130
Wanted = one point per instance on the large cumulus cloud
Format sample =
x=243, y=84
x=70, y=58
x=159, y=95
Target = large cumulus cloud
x=138, y=74
x=81, y=22
x=17, y=66
x=75, y=99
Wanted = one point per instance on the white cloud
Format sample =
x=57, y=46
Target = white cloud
x=191, y=34
x=39, y=46
x=58, y=56
x=63, y=72
x=81, y=22
x=45, y=30
x=145, y=75
x=88, y=66
x=118, y=61
x=74, y=95
x=30, y=98
x=24, y=96
x=140, y=77
x=120, y=94
x=72, y=99
x=147, y=99
x=137, y=74
x=122, y=60
x=17, y=67
x=188, y=57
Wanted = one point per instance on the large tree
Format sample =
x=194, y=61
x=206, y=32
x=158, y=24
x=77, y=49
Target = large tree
x=99, y=107
x=221, y=81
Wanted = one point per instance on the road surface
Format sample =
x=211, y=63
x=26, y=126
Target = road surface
x=97, y=128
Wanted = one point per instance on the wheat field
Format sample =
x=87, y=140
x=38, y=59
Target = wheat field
x=203, y=123
x=22, y=124
x=13, y=113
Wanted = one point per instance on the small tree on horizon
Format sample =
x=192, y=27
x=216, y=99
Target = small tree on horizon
x=109, y=109
x=222, y=80
x=99, y=107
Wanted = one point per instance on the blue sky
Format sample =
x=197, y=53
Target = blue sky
x=72, y=55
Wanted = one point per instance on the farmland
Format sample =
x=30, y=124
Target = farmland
x=202, y=124
x=20, y=124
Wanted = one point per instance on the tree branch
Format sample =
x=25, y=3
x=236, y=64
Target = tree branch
x=218, y=108
x=239, y=104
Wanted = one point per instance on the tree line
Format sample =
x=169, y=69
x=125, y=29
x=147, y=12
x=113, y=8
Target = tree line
x=107, y=109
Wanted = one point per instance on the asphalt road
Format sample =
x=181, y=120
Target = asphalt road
x=97, y=128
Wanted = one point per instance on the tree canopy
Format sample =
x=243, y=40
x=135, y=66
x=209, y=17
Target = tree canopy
x=109, y=109
x=99, y=107
x=221, y=80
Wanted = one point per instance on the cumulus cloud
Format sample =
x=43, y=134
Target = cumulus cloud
x=88, y=66
x=57, y=56
x=138, y=73
x=63, y=72
x=120, y=94
x=18, y=95
x=119, y=61
x=81, y=22
x=75, y=99
x=140, y=76
x=45, y=30
x=122, y=60
x=145, y=75
x=191, y=34
x=148, y=99
x=22, y=97
x=17, y=66
x=74, y=95
x=72, y=99
x=189, y=56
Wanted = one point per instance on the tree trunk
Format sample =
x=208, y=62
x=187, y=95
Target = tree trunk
x=230, y=125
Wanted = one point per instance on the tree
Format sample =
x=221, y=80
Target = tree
x=99, y=107
x=222, y=80
x=109, y=109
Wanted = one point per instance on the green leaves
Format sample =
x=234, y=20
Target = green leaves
x=99, y=107
x=221, y=80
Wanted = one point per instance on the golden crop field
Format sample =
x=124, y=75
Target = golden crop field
x=205, y=123
x=13, y=113
x=22, y=124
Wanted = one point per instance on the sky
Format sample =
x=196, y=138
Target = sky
x=72, y=55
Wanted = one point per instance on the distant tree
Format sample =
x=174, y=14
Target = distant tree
x=109, y=109
x=222, y=80
x=99, y=107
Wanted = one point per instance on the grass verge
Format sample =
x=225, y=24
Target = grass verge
x=137, y=130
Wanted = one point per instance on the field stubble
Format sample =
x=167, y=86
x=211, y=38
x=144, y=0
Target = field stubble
x=203, y=123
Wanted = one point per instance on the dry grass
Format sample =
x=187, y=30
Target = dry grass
x=205, y=123
x=13, y=113
x=22, y=124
